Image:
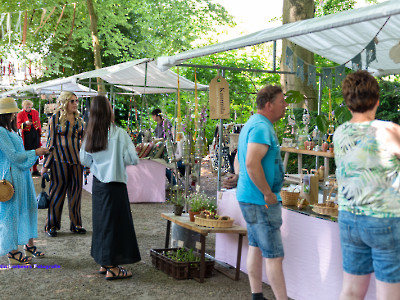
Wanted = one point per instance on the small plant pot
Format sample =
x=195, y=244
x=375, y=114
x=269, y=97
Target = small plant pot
x=178, y=209
x=192, y=214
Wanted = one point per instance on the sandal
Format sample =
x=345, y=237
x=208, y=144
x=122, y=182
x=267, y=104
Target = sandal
x=32, y=251
x=17, y=258
x=102, y=271
x=122, y=273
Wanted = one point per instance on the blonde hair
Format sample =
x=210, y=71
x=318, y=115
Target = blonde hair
x=62, y=102
x=26, y=102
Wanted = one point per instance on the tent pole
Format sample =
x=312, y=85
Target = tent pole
x=274, y=56
x=144, y=95
x=220, y=148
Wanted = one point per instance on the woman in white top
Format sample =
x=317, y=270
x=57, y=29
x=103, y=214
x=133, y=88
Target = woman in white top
x=107, y=150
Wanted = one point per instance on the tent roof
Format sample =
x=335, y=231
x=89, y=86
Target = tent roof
x=55, y=86
x=338, y=37
x=131, y=76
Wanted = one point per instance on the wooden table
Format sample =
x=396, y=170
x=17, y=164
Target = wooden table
x=184, y=222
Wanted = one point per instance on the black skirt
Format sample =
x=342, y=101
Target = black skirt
x=114, y=239
x=31, y=139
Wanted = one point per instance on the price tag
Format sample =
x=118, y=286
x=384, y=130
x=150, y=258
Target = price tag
x=180, y=244
x=198, y=245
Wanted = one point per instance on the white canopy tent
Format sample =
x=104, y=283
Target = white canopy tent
x=53, y=87
x=338, y=37
x=141, y=76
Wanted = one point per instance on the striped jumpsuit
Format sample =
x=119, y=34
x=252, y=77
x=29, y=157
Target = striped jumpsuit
x=66, y=171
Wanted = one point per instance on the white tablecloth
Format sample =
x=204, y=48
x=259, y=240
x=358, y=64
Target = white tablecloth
x=313, y=259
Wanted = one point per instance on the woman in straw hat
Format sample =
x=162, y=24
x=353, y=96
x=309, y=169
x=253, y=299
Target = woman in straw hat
x=18, y=222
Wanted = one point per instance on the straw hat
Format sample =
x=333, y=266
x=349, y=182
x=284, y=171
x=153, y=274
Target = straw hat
x=8, y=105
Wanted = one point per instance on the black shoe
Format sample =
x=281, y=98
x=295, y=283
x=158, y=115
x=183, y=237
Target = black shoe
x=52, y=232
x=36, y=173
x=77, y=229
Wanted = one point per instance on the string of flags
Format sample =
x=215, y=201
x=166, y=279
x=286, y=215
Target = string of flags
x=297, y=66
x=15, y=24
x=329, y=72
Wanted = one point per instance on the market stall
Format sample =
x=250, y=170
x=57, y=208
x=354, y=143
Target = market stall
x=313, y=260
x=146, y=181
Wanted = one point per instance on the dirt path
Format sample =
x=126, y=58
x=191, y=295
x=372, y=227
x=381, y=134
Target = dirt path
x=69, y=272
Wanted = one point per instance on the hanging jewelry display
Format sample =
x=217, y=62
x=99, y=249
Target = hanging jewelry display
x=291, y=119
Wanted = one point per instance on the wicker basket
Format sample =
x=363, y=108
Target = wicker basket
x=289, y=198
x=179, y=270
x=213, y=223
x=325, y=210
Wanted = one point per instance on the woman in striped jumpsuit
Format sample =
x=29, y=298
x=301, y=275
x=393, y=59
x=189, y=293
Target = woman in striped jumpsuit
x=66, y=171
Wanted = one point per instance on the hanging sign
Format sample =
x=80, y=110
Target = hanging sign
x=219, y=98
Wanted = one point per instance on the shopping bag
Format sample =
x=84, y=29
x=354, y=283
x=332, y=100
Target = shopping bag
x=43, y=199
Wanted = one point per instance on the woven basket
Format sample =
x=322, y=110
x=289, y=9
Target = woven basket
x=213, y=223
x=324, y=210
x=289, y=198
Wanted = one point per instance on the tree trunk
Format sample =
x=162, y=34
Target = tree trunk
x=295, y=10
x=95, y=43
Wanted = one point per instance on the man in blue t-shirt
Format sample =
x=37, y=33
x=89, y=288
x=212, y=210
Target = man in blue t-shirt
x=260, y=181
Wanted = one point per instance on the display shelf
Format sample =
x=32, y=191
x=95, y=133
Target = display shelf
x=296, y=178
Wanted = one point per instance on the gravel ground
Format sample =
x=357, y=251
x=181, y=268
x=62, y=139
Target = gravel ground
x=69, y=272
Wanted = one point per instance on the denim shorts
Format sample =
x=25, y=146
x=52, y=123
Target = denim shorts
x=370, y=245
x=263, y=228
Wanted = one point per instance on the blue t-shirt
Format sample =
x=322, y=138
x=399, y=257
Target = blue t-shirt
x=260, y=130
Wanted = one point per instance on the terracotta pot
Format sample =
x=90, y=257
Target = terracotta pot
x=325, y=147
x=192, y=214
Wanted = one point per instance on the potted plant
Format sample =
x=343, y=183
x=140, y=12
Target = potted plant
x=197, y=203
x=178, y=199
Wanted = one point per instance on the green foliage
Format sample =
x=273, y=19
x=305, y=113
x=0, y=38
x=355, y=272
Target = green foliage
x=184, y=255
x=389, y=107
x=294, y=97
x=200, y=201
x=328, y=7
x=178, y=197
x=126, y=30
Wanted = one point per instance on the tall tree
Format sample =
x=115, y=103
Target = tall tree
x=295, y=10
x=127, y=29
x=95, y=43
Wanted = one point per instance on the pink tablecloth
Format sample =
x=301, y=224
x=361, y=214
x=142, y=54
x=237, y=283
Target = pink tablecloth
x=146, y=182
x=313, y=259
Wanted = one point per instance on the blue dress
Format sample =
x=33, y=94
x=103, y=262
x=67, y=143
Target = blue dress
x=18, y=216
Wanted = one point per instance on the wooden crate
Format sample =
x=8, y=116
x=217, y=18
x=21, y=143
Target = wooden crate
x=179, y=270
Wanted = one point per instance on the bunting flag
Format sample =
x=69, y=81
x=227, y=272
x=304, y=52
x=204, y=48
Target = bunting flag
x=42, y=23
x=327, y=77
x=72, y=27
x=9, y=27
x=340, y=74
x=18, y=25
x=312, y=76
x=370, y=53
x=356, y=63
x=1, y=24
x=25, y=28
x=59, y=19
x=300, y=68
x=289, y=59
